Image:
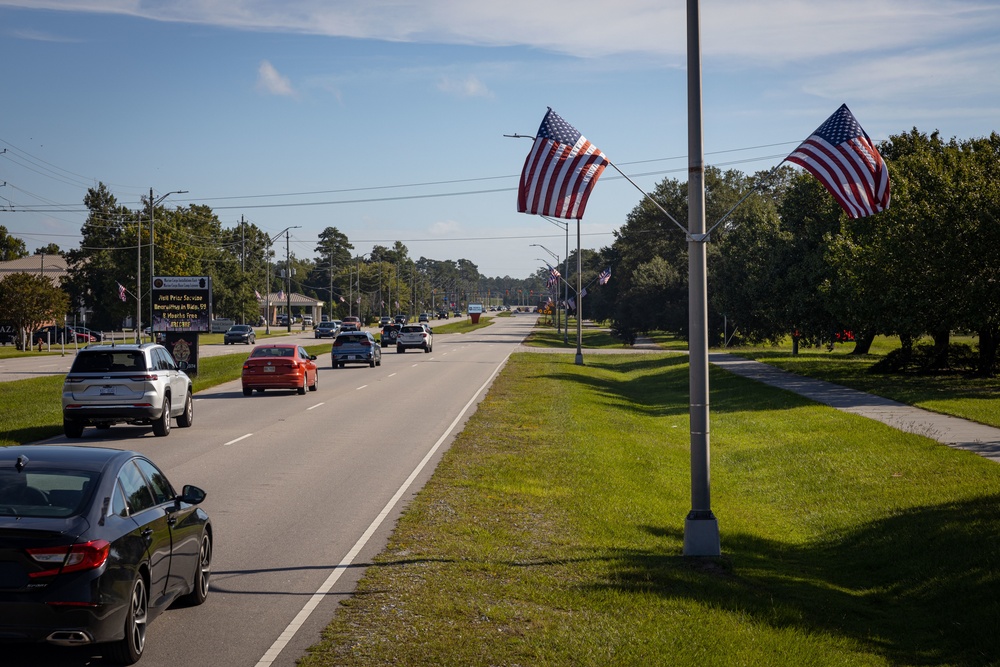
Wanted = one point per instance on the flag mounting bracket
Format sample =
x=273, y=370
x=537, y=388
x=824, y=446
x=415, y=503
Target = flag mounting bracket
x=700, y=238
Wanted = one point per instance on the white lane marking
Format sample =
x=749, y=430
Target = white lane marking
x=286, y=636
x=315, y=406
x=413, y=366
x=242, y=437
x=361, y=387
x=390, y=374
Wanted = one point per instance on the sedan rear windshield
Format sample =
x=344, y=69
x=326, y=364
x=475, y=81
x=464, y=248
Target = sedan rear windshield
x=47, y=493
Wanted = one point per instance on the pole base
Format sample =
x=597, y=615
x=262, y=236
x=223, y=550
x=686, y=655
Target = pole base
x=579, y=359
x=701, y=536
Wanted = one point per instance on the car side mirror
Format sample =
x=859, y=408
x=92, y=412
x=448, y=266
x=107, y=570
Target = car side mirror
x=191, y=495
x=312, y=357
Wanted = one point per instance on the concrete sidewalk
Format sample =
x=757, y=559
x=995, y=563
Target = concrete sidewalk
x=952, y=431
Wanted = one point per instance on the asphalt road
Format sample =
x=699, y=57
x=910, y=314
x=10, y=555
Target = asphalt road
x=303, y=491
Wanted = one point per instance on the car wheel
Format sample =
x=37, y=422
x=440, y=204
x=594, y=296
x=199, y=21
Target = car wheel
x=128, y=650
x=186, y=418
x=371, y=364
x=301, y=390
x=315, y=385
x=427, y=348
x=161, y=427
x=400, y=350
x=378, y=362
x=72, y=428
x=199, y=587
x=247, y=391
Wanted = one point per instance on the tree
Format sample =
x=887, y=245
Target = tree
x=30, y=300
x=50, y=249
x=11, y=247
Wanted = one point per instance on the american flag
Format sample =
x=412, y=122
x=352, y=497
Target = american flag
x=121, y=291
x=259, y=297
x=343, y=300
x=846, y=162
x=560, y=171
x=604, y=276
x=281, y=295
x=553, y=277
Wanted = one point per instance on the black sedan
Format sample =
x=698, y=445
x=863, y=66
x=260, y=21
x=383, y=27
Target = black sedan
x=94, y=544
x=240, y=333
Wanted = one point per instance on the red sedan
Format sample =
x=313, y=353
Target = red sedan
x=280, y=367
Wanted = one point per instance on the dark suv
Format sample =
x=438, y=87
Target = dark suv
x=389, y=334
x=131, y=384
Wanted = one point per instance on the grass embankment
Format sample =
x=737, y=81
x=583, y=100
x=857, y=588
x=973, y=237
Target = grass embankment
x=955, y=394
x=592, y=337
x=552, y=533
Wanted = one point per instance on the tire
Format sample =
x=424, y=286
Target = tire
x=161, y=427
x=186, y=418
x=379, y=361
x=72, y=428
x=199, y=587
x=400, y=350
x=247, y=391
x=427, y=349
x=128, y=650
x=371, y=364
x=315, y=385
x=301, y=390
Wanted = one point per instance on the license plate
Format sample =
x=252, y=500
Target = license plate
x=107, y=391
x=356, y=356
x=268, y=369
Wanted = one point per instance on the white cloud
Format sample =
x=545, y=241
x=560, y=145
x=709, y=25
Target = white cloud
x=445, y=228
x=470, y=86
x=272, y=82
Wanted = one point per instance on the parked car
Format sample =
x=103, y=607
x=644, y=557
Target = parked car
x=95, y=543
x=424, y=317
x=96, y=336
x=280, y=367
x=355, y=347
x=351, y=323
x=131, y=384
x=414, y=335
x=389, y=334
x=307, y=320
x=282, y=320
x=53, y=335
x=239, y=333
x=326, y=329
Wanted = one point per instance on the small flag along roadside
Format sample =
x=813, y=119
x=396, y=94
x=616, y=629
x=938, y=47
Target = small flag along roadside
x=121, y=291
x=604, y=276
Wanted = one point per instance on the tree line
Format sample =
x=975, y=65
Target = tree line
x=788, y=262
x=243, y=262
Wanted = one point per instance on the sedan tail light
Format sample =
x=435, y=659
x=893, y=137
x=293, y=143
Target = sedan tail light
x=71, y=558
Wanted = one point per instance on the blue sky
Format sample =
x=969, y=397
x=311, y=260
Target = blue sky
x=386, y=119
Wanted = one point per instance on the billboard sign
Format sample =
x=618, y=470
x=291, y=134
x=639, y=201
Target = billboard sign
x=182, y=304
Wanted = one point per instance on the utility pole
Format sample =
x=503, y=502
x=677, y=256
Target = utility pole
x=288, y=283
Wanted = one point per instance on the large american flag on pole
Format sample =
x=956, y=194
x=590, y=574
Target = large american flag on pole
x=559, y=172
x=846, y=162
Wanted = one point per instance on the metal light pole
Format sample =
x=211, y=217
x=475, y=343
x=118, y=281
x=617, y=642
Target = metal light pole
x=701, y=529
x=267, y=261
x=556, y=257
x=152, y=208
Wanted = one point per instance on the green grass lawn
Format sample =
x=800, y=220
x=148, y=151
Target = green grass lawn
x=955, y=394
x=552, y=532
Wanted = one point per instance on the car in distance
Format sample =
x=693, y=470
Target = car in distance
x=384, y=320
x=326, y=330
x=280, y=366
x=414, y=335
x=239, y=333
x=95, y=543
x=442, y=314
x=424, y=317
x=351, y=323
x=131, y=384
x=389, y=333
x=356, y=347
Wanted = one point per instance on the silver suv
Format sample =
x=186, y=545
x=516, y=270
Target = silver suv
x=414, y=335
x=131, y=384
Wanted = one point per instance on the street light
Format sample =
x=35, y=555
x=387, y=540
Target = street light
x=556, y=257
x=152, y=208
x=267, y=260
x=565, y=227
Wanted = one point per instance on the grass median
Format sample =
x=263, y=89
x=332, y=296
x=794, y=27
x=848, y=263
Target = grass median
x=551, y=534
